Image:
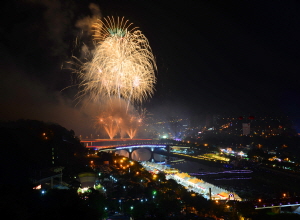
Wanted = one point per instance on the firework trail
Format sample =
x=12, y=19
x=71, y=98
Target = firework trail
x=117, y=119
x=122, y=64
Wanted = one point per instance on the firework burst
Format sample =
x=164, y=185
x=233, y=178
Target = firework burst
x=122, y=64
x=119, y=119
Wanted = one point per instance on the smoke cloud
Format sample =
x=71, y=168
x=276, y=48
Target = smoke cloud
x=31, y=78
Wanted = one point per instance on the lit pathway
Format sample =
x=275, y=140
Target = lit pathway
x=191, y=183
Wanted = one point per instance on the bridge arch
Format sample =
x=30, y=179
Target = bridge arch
x=139, y=153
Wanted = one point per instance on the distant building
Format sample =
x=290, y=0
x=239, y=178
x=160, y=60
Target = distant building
x=246, y=128
x=87, y=179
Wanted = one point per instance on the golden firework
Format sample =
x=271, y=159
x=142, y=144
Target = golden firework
x=122, y=63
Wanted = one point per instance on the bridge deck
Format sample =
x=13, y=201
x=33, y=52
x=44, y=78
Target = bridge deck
x=103, y=143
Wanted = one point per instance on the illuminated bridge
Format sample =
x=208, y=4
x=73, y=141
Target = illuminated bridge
x=292, y=205
x=131, y=145
x=114, y=143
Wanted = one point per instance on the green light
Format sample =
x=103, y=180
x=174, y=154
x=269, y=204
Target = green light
x=117, y=32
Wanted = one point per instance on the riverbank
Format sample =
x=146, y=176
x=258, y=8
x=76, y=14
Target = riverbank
x=261, y=183
x=208, y=165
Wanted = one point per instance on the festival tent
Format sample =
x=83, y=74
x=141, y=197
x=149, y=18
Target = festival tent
x=196, y=180
x=182, y=175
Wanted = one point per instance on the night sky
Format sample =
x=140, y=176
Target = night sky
x=213, y=57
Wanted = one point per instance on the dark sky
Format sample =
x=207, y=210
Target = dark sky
x=225, y=57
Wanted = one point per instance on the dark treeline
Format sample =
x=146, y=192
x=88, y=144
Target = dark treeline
x=31, y=150
x=30, y=147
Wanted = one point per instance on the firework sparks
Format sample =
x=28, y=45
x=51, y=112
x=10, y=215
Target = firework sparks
x=118, y=119
x=110, y=125
x=133, y=125
x=122, y=63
